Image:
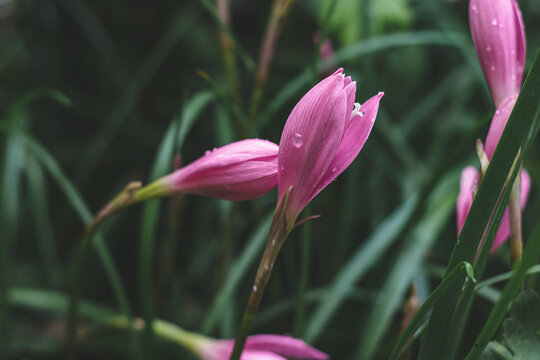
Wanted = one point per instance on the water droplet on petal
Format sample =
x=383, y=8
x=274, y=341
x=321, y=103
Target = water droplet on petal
x=298, y=141
x=494, y=22
x=488, y=48
x=334, y=169
x=474, y=9
x=497, y=112
x=513, y=51
x=492, y=68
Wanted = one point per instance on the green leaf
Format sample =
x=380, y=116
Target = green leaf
x=522, y=328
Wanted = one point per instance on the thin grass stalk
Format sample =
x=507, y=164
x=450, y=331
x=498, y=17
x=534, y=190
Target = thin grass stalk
x=304, y=276
x=280, y=9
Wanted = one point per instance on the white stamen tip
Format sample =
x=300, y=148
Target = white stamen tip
x=356, y=110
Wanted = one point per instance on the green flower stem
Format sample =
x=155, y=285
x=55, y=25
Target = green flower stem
x=166, y=331
x=131, y=194
x=514, y=210
x=279, y=230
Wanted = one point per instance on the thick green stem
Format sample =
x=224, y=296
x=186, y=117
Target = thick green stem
x=514, y=210
x=279, y=230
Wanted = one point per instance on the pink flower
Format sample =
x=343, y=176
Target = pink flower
x=323, y=135
x=238, y=171
x=261, y=347
x=498, y=123
x=499, y=38
x=468, y=187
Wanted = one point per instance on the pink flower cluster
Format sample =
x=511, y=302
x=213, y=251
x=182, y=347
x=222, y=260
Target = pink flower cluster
x=499, y=38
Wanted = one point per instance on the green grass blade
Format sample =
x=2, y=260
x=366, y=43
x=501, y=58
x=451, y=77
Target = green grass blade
x=44, y=232
x=238, y=271
x=150, y=215
x=364, y=258
x=463, y=268
x=441, y=206
x=131, y=94
x=531, y=254
x=9, y=217
x=74, y=197
x=523, y=118
x=369, y=46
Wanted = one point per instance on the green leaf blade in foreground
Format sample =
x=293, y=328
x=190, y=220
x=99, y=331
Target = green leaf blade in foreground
x=518, y=133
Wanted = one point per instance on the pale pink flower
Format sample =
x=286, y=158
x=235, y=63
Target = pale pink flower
x=261, y=347
x=322, y=136
x=499, y=38
x=238, y=171
x=468, y=188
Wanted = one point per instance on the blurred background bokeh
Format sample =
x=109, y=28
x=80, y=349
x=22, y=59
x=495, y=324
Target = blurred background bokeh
x=90, y=91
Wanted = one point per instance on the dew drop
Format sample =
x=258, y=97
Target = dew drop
x=513, y=51
x=298, y=141
x=474, y=9
x=488, y=48
x=492, y=68
x=254, y=287
x=334, y=169
x=494, y=22
x=497, y=112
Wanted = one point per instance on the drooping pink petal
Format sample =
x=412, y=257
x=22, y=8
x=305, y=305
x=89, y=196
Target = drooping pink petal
x=238, y=171
x=467, y=185
x=222, y=350
x=499, y=38
x=286, y=346
x=356, y=133
x=503, y=233
x=498, y=123
x=310, y=140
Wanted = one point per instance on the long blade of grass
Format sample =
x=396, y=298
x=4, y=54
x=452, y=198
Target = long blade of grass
x=407, y=264
x=132, y=92
x=150, y=214
x=363, y=259
x=441, y=290
x=524, y=117
x=362, y=48
x=237, y=272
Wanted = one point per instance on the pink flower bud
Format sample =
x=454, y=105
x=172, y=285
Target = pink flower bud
x=499, y=38
x=468, y=187
x=261, y=347
x=238, y=171
x=323, y=135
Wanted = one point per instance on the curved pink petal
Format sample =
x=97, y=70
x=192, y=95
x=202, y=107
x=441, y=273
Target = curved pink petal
x=286, y=346
x=467, y=185
x=503, y=233
x=499, y=38
x=238, y=171
x=310, y=140
x=498, y=123
x=355, y=136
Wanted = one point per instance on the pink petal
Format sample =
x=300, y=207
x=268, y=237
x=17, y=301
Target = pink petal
x=354, y=138
x=504, y=228
x=222, y=350
x=286, y=346
x=238, y=171
x=499, y=38
x=502, y=114
x=468, y=182
x=310, y=140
